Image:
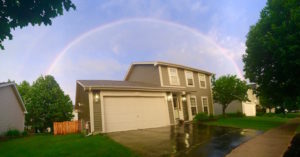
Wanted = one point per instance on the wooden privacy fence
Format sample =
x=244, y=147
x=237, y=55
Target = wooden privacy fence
x=62, y=128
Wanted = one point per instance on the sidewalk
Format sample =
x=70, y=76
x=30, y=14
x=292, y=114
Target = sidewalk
x=270, y=144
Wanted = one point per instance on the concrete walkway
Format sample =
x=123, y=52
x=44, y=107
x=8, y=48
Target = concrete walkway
x=272, y=143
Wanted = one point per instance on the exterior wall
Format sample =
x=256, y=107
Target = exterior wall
x=171, y=112
x=97, y=113
x=233, y=107
x=144, y=73
x=11, y=114
x=252, y=97
x=248, y=108
x=200, y=92
x=75, y=116
x=83, y=109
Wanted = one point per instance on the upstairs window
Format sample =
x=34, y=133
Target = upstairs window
x=173, y=76
x=193, y=105
x=189, y=78
x=202, y=81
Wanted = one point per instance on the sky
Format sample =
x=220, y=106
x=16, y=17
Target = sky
x=100, y=39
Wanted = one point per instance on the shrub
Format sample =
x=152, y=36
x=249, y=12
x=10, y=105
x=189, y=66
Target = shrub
x=237, y=114
x=13, y=133
x=201, y=117
x=24, y=133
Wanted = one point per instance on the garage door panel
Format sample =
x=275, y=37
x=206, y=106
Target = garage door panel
x=129, y=113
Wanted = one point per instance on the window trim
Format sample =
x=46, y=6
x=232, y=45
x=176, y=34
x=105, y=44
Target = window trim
x=194, y=96
x=199, y=77
x=169, y=72
x=186, y=79
x=202, y=98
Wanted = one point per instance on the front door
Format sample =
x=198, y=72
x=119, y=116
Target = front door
x=185, y=110
x=176, y=106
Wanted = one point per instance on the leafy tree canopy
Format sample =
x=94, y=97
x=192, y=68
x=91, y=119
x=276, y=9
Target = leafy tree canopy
x=45, y=102
x=24, y=89
x=20, y=13
x=272, y=58
x=229, y=88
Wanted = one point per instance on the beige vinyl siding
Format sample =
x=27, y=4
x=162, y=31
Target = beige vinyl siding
x=11, y=114
x=203, y=92
x=97, y=113
x=82, y=98
x=199, y=91
x=166, y=79
x=171, y=113
x=144, y=73
x=233, y=107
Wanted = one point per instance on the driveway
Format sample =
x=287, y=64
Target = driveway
x=186, y=140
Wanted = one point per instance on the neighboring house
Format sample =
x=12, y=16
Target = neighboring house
x=246, y=107
x=153, y=94
x=12, y=109
x=75, y=114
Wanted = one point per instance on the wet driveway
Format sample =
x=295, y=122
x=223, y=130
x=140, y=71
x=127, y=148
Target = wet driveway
x=186, y=140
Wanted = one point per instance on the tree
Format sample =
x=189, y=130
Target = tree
x=47, y=104
x=24, y=90
x=272, y=58
x=266, y=102
x=229, y=88
x=20, y=13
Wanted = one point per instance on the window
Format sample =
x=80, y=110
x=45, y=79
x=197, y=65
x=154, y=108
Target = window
x=205, y=105
x=202, y=81
x=193, y=105
x=189, y=78
x=173, y=76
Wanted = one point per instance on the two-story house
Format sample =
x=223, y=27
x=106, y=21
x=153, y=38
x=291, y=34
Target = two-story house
x=153, y=94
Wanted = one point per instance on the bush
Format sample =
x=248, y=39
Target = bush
x=202, y=117
x=237, y=114
x=233, y=115
x=24, y=133
x=281, y=115
x=13, y=133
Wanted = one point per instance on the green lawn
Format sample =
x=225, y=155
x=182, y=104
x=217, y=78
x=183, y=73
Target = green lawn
x=68, y=145
x=259, y=123
x=298, y=129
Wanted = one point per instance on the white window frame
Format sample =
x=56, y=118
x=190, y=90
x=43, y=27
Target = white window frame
x=200, y=76
x=186, y=78
x=178, y=81
x=193, y=96
x=202, y=98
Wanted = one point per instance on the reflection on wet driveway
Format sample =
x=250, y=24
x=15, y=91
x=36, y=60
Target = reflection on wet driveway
x=187, y=140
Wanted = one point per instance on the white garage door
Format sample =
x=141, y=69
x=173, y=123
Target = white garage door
x=130, y=113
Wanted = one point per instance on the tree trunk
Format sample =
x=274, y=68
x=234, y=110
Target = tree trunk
x=223, y=110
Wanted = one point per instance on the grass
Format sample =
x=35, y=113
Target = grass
x=264, y=122
x=298, y=129
x=74, y=145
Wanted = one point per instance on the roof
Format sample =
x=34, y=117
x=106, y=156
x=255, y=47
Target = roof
x=13, y=85
x=155, y=63
x=253, y=86
x=124, y=85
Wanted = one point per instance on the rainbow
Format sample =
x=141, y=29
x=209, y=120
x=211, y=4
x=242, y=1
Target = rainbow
x=82, y=36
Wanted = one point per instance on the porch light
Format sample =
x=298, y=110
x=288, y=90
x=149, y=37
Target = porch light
x=184, y=98
x=96, y=97
x=169, y=97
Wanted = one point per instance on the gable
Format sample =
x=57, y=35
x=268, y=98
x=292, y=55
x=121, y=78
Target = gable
x=147, y=73
x=10, y=99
